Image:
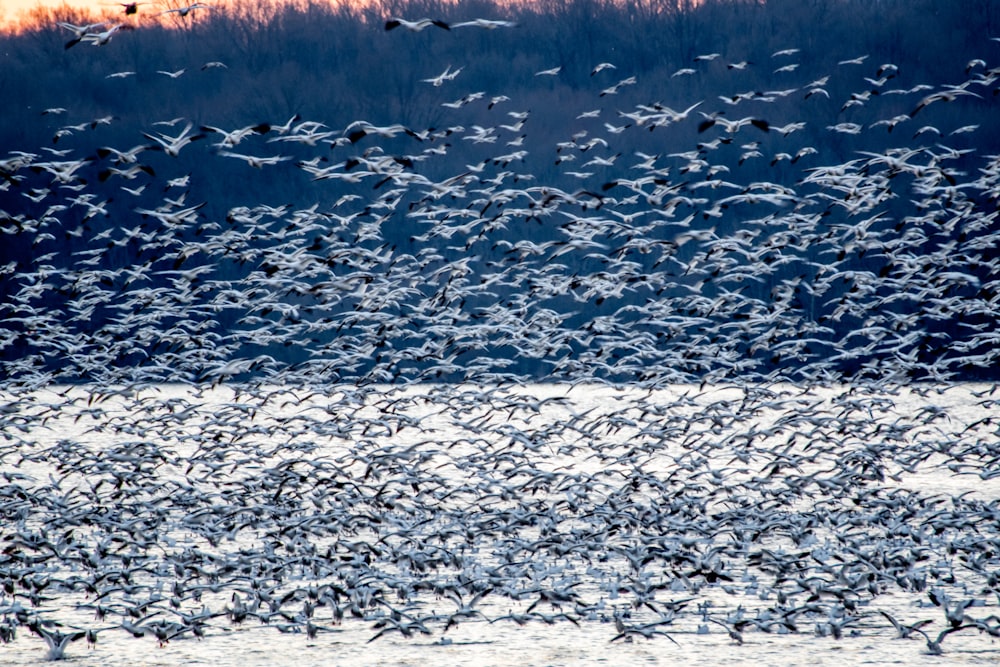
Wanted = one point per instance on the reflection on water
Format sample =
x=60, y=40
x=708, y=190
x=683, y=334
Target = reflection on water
x=501, y=525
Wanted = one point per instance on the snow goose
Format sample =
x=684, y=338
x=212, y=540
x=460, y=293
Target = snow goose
x=79, y=31
x=184, y=11
x=414, y=26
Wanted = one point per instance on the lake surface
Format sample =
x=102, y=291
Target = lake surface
x=504, y=525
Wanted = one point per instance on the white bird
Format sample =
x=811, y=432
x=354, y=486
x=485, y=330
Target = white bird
x=233, y=137
x=948, y=95
x=184, y=11
x=56, y=641
x=415, y=26
x=447, y=75
x=854, y=61
x=102, y=38
x=79, y=31
x=256, y=161
x=489, y=24
x=173, y=145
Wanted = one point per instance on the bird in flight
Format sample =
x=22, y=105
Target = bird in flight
x=79, y=31
x=102, y=38
x=57, y=641
x=488, y=24
x=131, y=7
x=949, y=95
x=415, y=26
x=184, y=11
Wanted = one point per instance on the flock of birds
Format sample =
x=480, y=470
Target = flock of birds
x=335, y=484
x=100, y=33
x=436, y=254
x=170, y=514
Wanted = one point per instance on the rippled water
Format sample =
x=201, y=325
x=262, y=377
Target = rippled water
x=608, y=473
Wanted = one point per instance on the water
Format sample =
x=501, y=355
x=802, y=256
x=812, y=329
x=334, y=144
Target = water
x=400, y=505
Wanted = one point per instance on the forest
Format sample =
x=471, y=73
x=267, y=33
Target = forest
x=577, y=168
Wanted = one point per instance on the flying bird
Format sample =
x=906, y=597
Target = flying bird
x=102, y=38
x=79, y=31
x=415, y=26
x=131, y=8
x=56, y=640
x=949, y=95
x=488, y=24
x=184, y=11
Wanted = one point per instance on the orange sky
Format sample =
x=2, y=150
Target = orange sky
x=11, y=9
